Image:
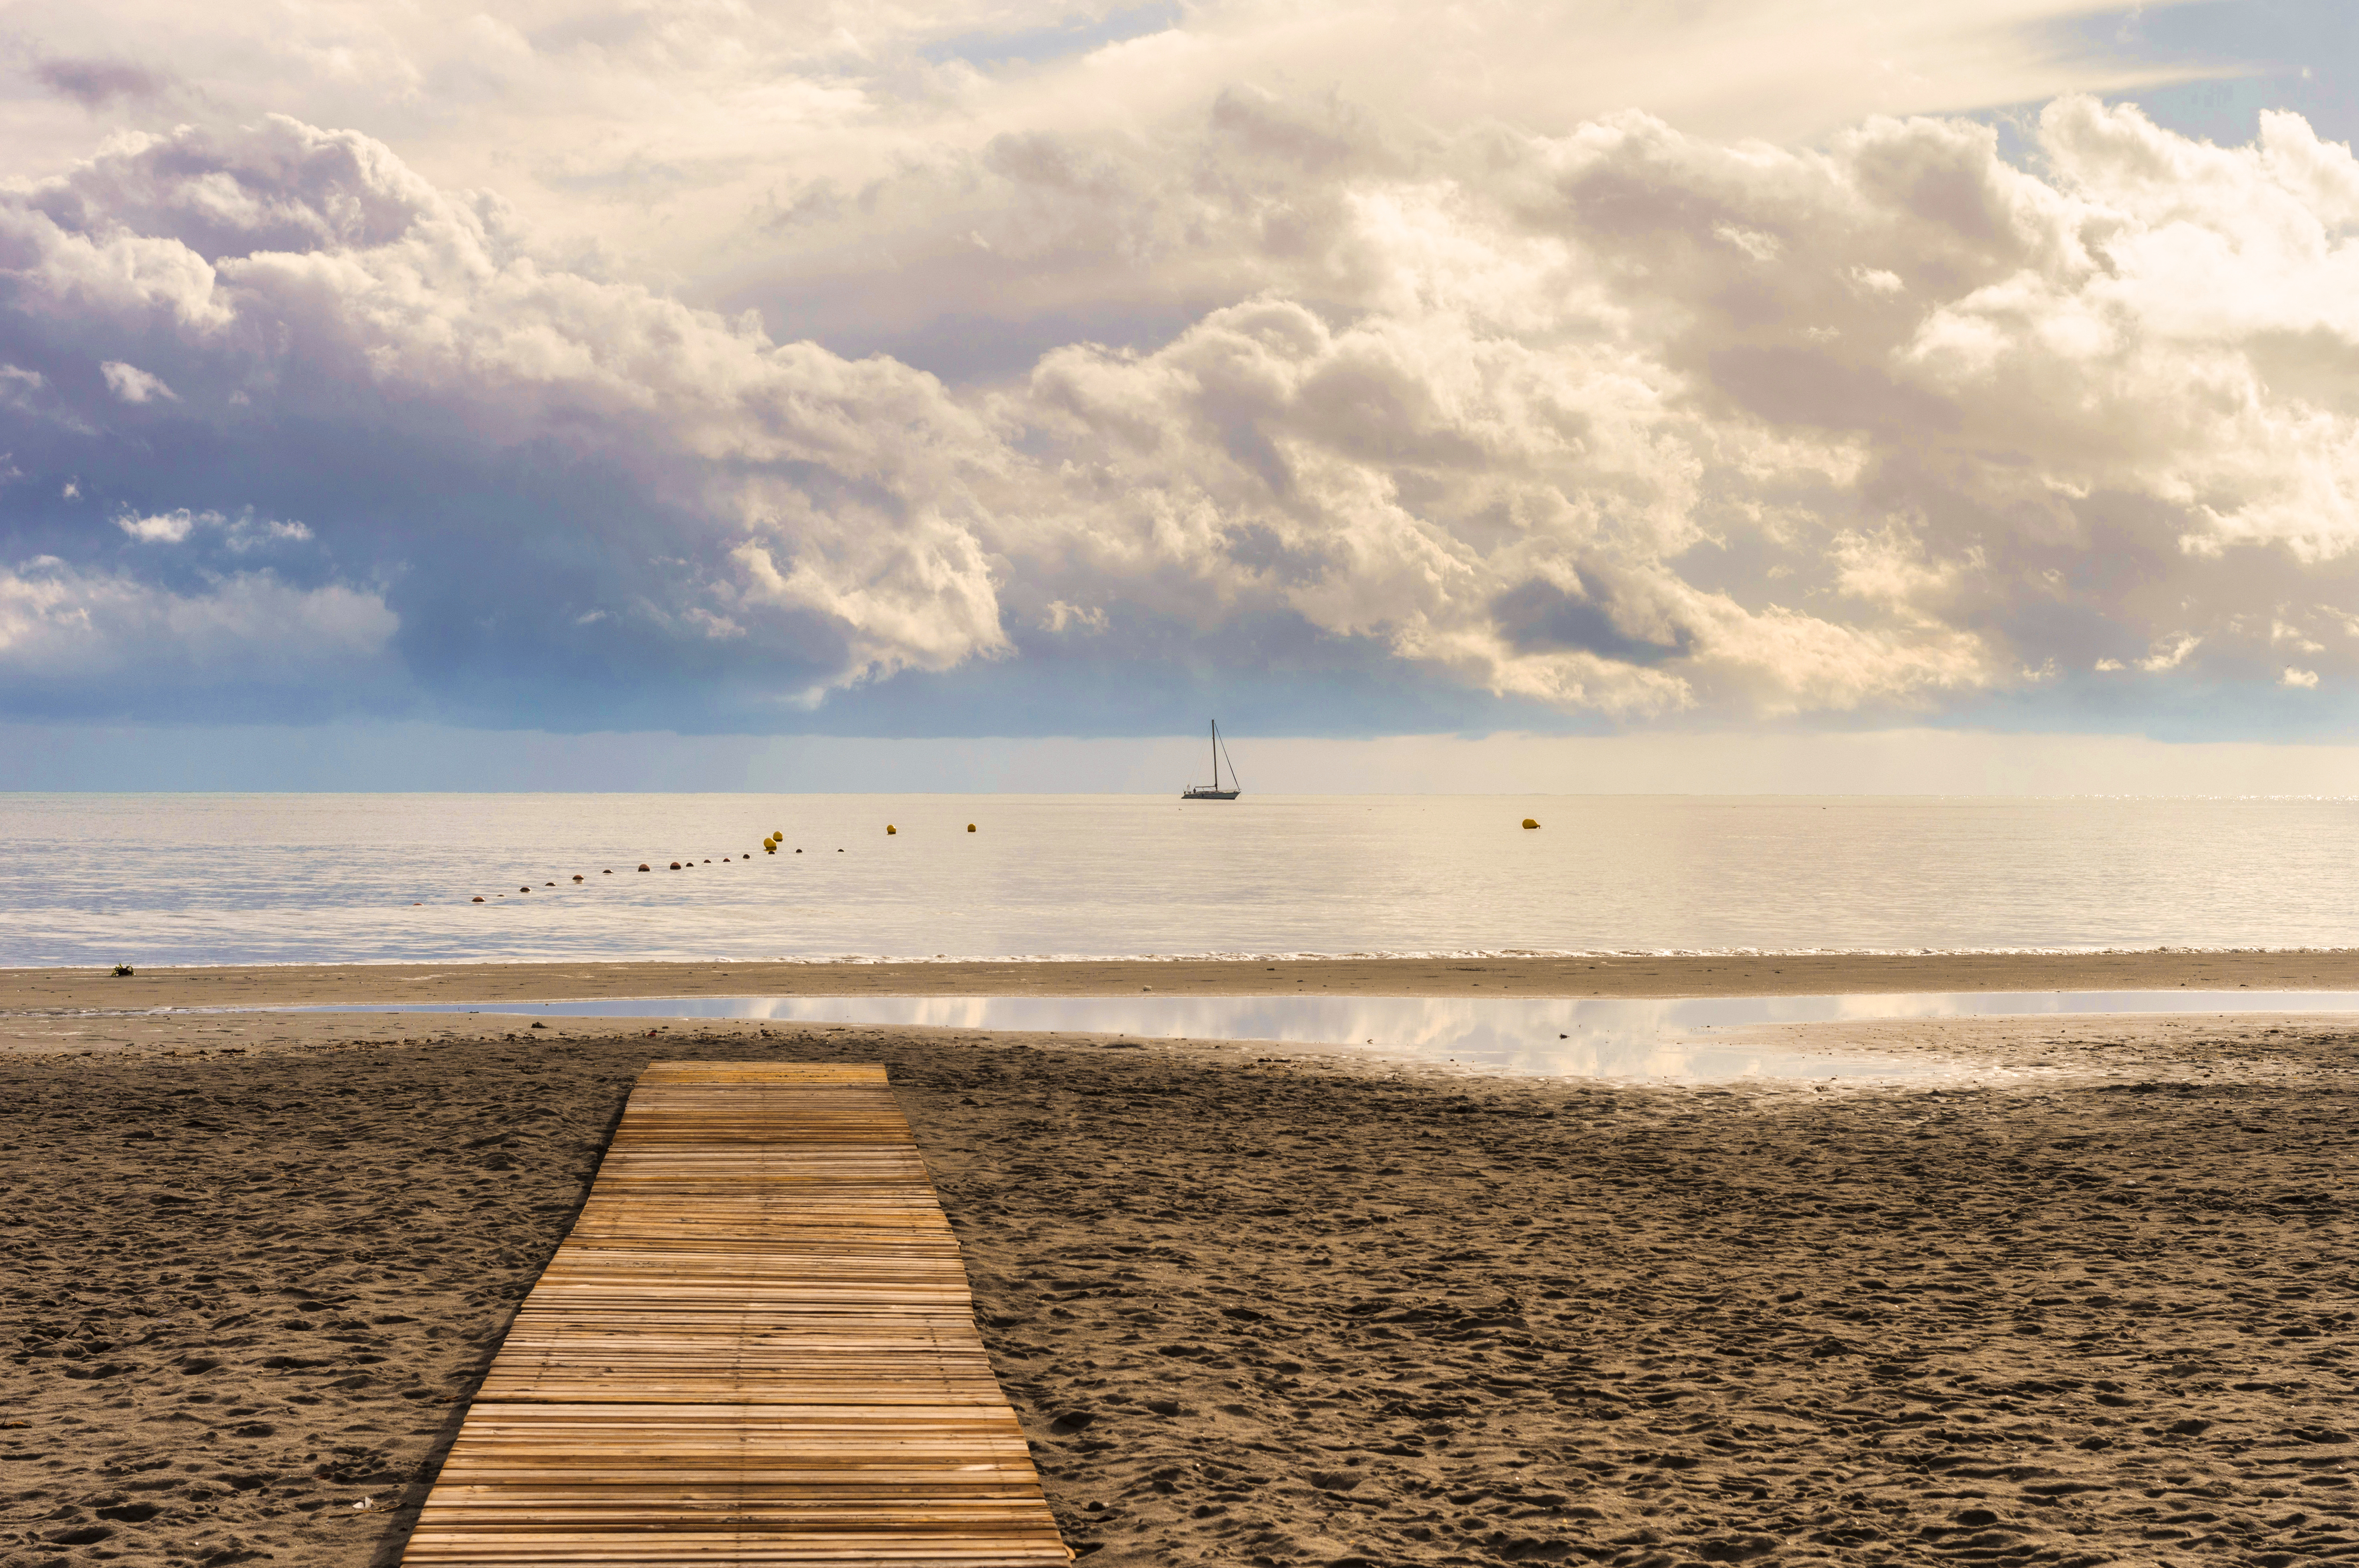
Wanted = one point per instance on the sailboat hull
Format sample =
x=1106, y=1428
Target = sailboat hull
x=1197, y=792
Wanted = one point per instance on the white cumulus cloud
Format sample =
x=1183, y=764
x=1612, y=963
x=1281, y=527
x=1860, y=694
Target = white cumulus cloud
x=75, y=634
x=240, y=533
x=133, y=385
x=1625, y=419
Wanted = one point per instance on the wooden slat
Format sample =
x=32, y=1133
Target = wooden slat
x=756, y=1346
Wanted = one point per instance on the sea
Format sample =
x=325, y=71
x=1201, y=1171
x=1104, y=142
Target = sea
x=304, y=879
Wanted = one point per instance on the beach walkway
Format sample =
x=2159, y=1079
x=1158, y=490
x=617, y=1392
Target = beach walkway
x=756, y=1346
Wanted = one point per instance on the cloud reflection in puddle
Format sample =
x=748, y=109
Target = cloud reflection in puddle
x=1631, y=1038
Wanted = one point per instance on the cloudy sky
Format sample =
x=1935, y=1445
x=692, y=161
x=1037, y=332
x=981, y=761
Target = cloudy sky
x=1343, y=367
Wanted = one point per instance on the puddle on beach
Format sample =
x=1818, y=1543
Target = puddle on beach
x=1662, y=1039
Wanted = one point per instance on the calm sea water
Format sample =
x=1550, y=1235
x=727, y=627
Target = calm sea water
x=320, y=878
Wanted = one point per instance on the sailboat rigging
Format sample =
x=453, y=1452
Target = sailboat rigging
x=1214, y=790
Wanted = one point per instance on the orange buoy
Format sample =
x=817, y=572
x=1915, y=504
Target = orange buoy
x=1529, y=823
x=970, y=827
x=890, y=829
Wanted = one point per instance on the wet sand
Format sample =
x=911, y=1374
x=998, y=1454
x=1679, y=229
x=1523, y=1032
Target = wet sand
x=1258, y=1305
x=1773, y=975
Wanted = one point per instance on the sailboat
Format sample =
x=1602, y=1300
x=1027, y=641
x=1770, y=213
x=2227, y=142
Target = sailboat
x=1214, y=790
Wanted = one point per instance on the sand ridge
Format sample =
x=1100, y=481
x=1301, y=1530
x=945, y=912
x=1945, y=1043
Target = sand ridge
x=1262, y=1306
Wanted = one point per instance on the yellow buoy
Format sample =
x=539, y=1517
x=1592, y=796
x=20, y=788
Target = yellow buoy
x=1529, y=823
x=890, y=829
x=970, y=827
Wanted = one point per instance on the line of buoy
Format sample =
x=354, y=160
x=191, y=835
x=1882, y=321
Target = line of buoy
x=770, y=846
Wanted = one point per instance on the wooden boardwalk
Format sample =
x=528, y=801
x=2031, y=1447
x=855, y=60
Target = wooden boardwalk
x=756, y=1346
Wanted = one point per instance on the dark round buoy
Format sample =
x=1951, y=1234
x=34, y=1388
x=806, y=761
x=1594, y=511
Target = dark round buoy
x=643, y=865
x=607, y=873
x=798, y=851
x=524, y=889
x=675, y=865
x=970, y=827
x=553, y=884
x=479, y=898
x=577, y=876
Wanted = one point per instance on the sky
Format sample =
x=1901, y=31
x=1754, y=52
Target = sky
x=379, y=382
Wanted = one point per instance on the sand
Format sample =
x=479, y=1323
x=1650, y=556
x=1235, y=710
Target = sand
x=1259, y=1305
x=1774, y=974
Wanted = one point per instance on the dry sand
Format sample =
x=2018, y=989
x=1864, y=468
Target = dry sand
x=1264, y=1305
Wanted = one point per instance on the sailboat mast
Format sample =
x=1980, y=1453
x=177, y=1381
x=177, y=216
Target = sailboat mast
x=1216, y=753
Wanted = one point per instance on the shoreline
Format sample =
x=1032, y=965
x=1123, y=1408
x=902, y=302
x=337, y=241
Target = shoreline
x=1927, y=1054
x=53, y=990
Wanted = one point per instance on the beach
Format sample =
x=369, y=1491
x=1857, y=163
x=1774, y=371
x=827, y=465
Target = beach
x=1258, y=1304
x=1635, y=975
